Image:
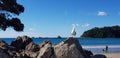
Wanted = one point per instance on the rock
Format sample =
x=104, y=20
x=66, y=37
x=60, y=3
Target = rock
x=31, y=54
x=69, y=48
x=46, y=50
x=3, y=44
x=32, y=47
x=88, y=53
x=24, y=47
x=4, y=49
x=98, y=56
x=21, y=42
x=59, y=36
x=4, y=54
x=31, y=50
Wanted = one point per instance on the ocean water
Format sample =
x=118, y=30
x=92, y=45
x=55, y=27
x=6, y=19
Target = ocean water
x=96, y=45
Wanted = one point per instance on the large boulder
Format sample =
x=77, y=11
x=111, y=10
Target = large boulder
x=25, y=46
x=21, y=42
x=46, y=50
x=32, y=47
x=69, y=48
x=32, y=50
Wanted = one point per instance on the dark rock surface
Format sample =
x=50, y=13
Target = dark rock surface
x=21, y=42
x=3, y=44
x=88, y=53
x=24, y=47
x=98, y=56
x=4, y=49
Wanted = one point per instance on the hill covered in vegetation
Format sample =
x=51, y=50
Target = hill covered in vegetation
x=104, y=32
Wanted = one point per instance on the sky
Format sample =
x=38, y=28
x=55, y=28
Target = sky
x=51, y=18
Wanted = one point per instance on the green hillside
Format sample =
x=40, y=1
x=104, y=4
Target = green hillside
x=104, y=32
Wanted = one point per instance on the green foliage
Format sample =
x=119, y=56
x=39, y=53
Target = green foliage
x=105, y=32
x=8, y=10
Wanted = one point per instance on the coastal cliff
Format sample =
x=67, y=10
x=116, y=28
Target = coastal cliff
x=24, y=47
x=105, y=32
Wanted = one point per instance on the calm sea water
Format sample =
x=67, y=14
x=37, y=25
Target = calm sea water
x=95, y=45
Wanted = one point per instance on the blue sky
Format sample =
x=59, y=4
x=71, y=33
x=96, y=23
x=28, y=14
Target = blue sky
x=50, y=18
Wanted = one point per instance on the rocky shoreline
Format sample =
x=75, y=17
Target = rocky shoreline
x=24, y=47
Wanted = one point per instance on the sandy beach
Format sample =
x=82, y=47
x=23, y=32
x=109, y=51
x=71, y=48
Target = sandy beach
x=112, y=55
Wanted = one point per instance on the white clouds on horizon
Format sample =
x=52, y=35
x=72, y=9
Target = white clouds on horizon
x=16, y=34
x=102, y=13
x=86, y=25
x=31, y=29
x=75, y=24
x=83, y=25
x=13, y=34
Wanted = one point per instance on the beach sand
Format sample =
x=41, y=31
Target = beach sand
x=112, y=55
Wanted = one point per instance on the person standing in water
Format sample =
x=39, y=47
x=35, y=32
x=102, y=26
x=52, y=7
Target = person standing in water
x=106, y=48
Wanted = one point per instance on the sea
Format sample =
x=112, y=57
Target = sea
x=96, y=45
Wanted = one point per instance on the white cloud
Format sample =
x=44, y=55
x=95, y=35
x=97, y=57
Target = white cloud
x=31, y=29
x=75, y=24
x=102, y=13
x=14, y=34
x=86, y=25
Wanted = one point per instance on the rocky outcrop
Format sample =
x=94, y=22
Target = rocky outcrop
x=4, y=49
x=3, y=44
x=24, y=47
x=69, y=48
x=4, y=54
x=46, y=50
x=21, y=42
